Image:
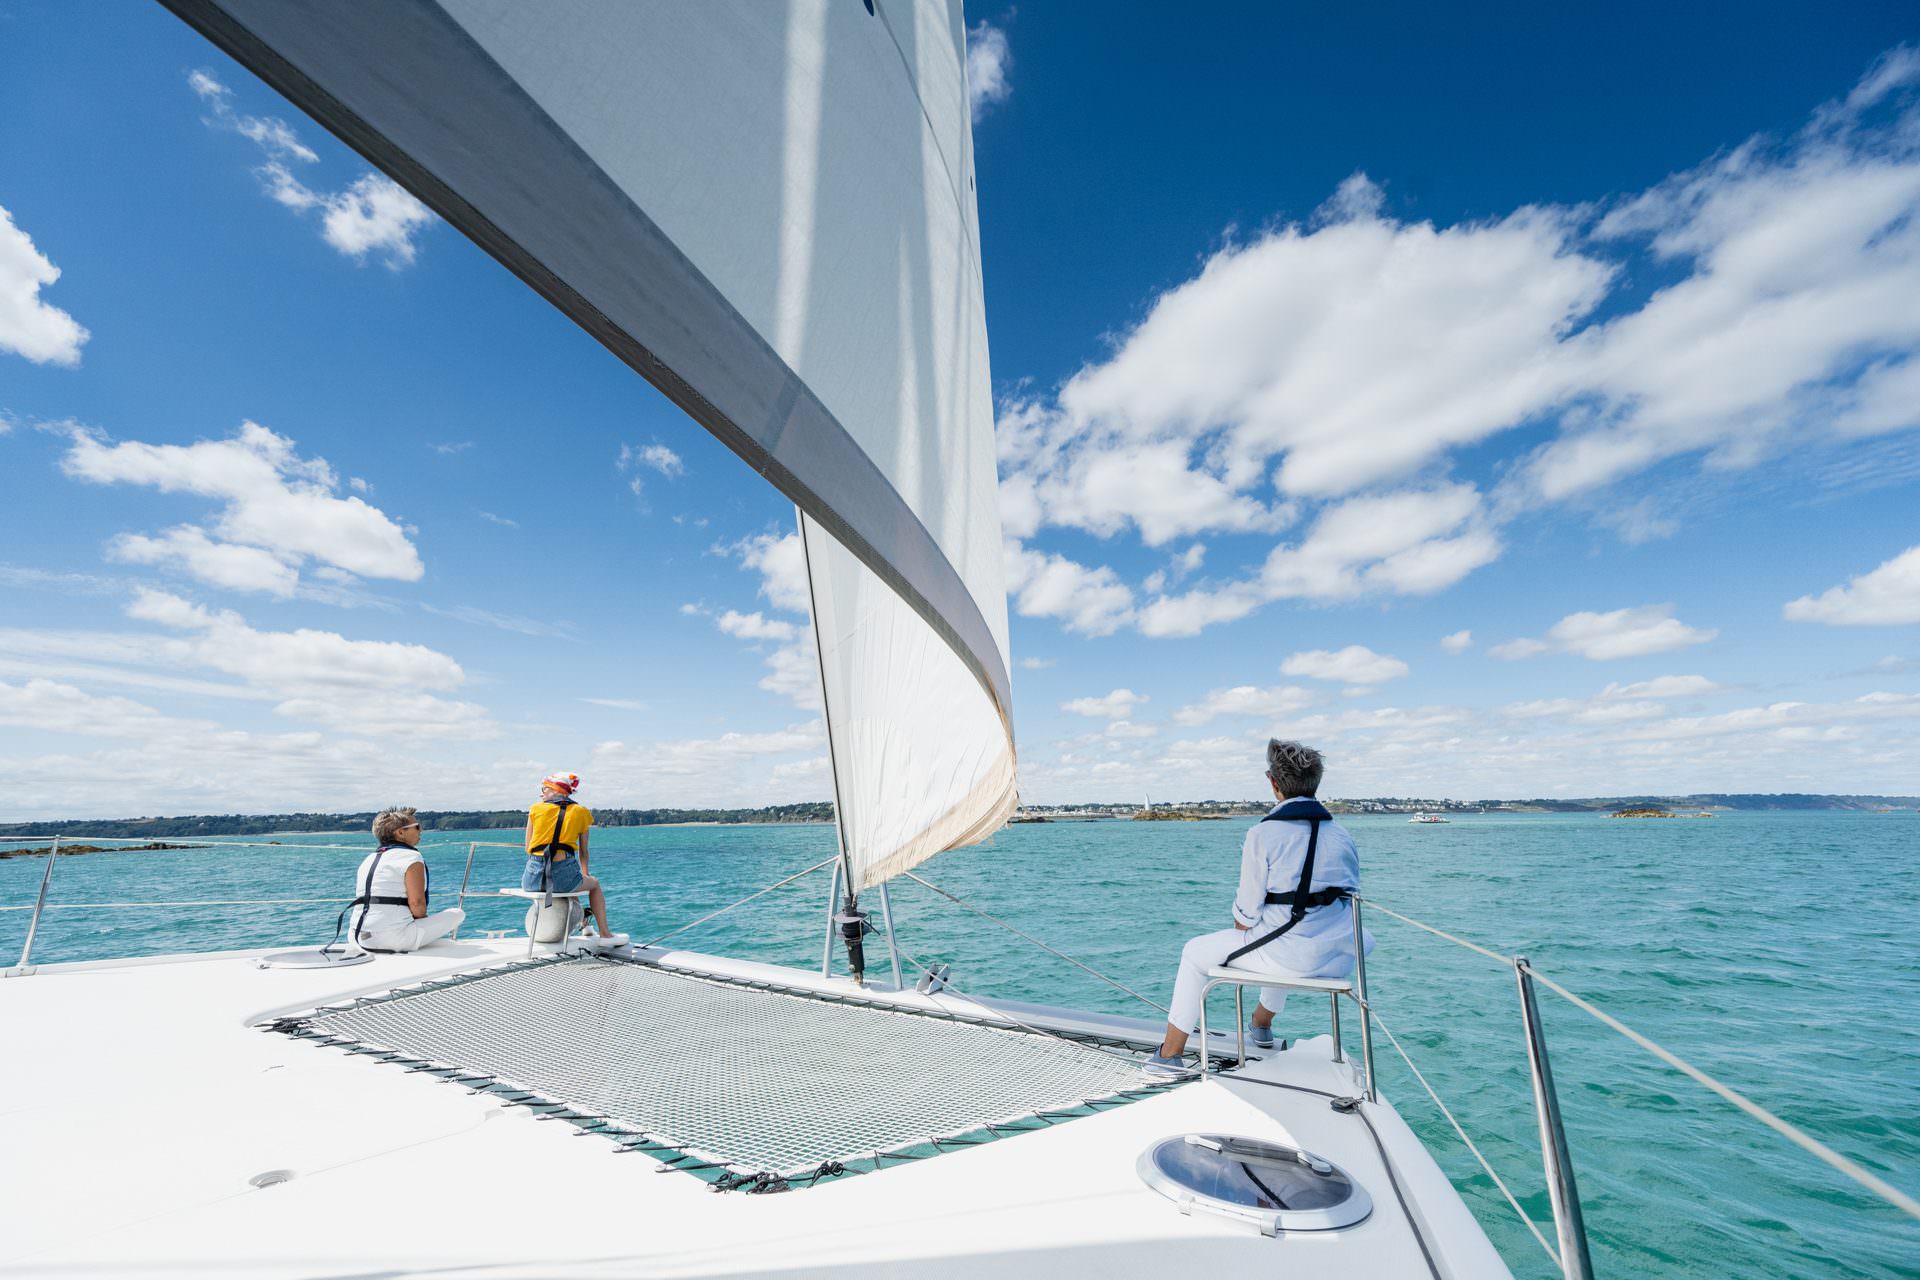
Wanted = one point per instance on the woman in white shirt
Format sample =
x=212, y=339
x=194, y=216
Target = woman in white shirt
x=1292, y=913
x=390, y=891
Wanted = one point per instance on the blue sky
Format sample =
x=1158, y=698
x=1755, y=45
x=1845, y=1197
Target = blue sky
x=1517, y=403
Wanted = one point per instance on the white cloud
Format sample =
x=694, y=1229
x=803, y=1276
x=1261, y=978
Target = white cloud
x=756, y=626
x=1333, y=367
x=366, y=688
x=373, y=215
x=1093, y=601
x=1128, y=729
x=1118, y=705
x=1246, y=700
x=221, y=564
x=1035, y=664
x=1356, y=664
x=726, y=769
x=491, y=518
x=1887, y=596
x=275, y=502
x=782, y=564
x=41, y=704
x=1799, y=257
x=1621, y=633
x=270, y=133
x=516, y=623
x=1410, y=542
x=988, y=62
x=1457, y=642
x=1356, y=350
x=652, y=457
x=1662, y=687
x=618, y=704
x=451, y=448
x=656, y=457
x=1152, y=487
x=294, y=660
x=1582, y=711
x=30, y=327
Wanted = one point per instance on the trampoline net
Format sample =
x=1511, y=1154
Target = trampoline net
x=748, y=1078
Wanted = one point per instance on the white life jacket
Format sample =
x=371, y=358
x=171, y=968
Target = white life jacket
x=380, y=890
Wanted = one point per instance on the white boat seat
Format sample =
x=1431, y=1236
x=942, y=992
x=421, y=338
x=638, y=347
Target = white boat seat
x=1221, y=975
x=551, y=923
x=1224, y=975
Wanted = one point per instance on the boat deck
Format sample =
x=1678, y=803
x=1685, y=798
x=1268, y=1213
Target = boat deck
x=139, y=1098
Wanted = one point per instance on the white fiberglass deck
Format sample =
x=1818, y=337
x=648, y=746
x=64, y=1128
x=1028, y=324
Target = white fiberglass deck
x=754, y=1079
x=138, y=1099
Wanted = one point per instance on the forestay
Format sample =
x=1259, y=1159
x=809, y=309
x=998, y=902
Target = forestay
x=768, y=210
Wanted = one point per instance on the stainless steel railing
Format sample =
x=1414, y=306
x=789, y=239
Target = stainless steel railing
x=41, y=906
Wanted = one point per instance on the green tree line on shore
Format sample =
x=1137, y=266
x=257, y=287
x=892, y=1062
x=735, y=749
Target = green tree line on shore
x=242, y=824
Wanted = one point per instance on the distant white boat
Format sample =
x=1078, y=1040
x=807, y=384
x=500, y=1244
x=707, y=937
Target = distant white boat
x=1427, y=817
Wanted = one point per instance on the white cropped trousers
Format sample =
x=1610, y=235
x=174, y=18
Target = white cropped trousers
x=414, y=934
x=1209, y=951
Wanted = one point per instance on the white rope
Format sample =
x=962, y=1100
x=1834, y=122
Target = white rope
x=1792, y=1133
x=1372, y=905
x=1524, y=1216
x=239, y=902
x=743, y=902
x=1118, y=986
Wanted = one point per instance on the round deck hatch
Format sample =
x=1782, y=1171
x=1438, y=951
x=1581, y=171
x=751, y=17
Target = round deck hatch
x=1275, y=1187
x=312, y=958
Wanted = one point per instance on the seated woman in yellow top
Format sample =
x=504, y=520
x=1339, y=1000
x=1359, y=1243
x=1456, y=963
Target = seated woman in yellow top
x=557, y=846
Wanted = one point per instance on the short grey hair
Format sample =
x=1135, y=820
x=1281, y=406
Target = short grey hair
x=389, y=823
x=1294, y=767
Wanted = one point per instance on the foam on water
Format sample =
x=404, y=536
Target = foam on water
x=1773, y=950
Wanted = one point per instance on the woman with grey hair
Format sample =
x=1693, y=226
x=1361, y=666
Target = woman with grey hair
x=1292, y=913
x=390, y=891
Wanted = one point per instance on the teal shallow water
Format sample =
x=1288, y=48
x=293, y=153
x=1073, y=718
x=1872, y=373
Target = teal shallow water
x=1776, y=951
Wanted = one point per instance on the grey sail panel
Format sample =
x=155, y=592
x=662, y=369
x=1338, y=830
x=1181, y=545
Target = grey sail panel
x=569, y=141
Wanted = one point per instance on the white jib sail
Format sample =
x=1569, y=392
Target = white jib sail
x=768, y=210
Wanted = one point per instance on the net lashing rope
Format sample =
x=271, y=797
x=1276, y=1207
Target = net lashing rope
x=1791, y=1132
x=744, y=1079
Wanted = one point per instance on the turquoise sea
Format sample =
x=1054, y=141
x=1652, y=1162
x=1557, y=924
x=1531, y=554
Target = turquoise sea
x=1777, y=951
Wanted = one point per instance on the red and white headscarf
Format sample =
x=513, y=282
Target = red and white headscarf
x=566, y=783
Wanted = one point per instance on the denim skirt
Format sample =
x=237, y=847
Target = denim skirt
x=566, y=875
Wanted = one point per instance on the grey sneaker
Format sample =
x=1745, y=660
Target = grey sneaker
x=1159, y=1066
x=1262, y=1037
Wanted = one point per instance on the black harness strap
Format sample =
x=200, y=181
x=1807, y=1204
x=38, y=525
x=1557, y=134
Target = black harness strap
x=1303, y=897
x=553, y=843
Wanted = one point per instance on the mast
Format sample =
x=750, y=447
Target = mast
x=851, y=920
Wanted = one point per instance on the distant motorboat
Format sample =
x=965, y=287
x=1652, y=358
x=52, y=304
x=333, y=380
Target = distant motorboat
x=1427, y=817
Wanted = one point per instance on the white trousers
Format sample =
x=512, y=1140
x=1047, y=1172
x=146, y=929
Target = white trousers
x=1209, y=951
x=415, y=933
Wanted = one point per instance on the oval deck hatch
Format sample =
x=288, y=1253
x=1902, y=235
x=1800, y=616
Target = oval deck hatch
x=1275, y=1187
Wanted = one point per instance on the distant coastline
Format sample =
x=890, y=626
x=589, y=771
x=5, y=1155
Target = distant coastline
x=821, y=811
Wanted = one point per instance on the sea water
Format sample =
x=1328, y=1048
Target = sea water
x=1776, y=951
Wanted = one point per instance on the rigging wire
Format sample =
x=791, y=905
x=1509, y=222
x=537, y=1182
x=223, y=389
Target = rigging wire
x=1118, y=986
x=743, y=902
x=1791, y=1132
x=1523, y=1214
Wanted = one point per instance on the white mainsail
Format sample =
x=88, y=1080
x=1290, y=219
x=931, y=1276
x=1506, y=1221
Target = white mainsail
x=768, y=210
